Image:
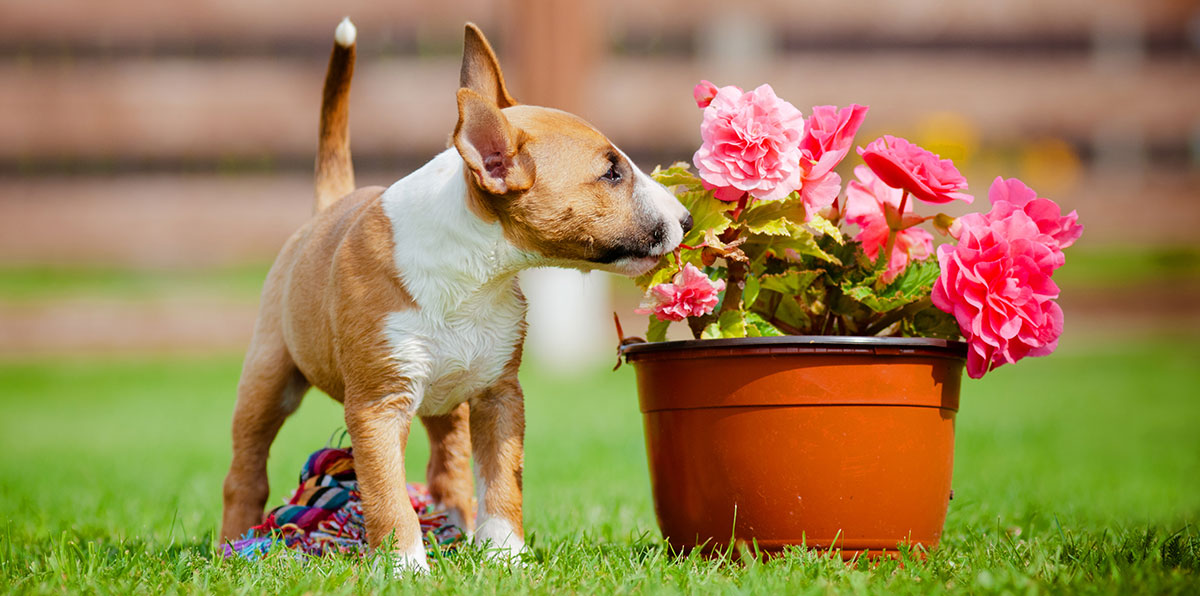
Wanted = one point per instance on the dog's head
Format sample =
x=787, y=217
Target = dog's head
x=557, y=186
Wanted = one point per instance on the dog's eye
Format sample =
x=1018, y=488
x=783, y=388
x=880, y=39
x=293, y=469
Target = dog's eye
x=612, y=175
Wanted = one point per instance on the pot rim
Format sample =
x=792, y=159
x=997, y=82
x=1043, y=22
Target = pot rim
x=804, y=343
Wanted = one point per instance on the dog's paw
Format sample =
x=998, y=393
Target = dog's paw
x=411, y=560
x=500, y=541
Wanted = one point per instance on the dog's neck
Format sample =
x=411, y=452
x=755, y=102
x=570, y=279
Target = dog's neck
x=448, y=258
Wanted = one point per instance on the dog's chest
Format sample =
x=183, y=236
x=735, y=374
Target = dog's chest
x=451, y=356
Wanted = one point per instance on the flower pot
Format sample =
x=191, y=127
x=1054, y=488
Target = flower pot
x=827, y=442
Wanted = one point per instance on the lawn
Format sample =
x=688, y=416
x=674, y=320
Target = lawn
x=1079, y=472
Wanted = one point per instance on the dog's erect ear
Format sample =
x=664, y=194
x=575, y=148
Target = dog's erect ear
x=480, y=70
x=491, y=146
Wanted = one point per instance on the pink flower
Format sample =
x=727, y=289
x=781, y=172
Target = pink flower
x=704, y=92
x=996, y=282
x=828, y=135
x=751, y=144
x=865, y=200
x=1064, y=229
x=690, y=294
x=901, y=164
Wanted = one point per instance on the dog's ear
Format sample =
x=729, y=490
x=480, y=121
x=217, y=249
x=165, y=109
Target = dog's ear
x=491, y=146
x=481, y=71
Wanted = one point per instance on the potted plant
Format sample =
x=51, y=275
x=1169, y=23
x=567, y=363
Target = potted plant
x=816, y=403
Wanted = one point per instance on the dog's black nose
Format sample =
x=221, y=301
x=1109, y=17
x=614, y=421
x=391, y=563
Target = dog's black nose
x=686, y=222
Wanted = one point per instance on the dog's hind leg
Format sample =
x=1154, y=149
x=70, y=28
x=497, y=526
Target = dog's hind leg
x=270, y=389
x=449, y=469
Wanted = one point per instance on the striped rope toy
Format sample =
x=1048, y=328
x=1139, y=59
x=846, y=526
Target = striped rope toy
x=324, y=515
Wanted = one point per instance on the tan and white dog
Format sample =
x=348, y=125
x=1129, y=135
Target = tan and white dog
x=403, y=301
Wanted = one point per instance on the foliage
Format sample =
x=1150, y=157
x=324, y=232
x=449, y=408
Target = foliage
x=768, y=210
x=789, y=272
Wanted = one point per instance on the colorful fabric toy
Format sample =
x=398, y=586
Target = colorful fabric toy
x=324, y=515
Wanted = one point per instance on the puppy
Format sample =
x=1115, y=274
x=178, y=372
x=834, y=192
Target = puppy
x=403, y=302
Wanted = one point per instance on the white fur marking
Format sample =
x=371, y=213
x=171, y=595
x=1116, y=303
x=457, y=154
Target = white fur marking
x=462, y=274
x=656, y=201
x=492, y=532
x=497, y=535
x=345, y=33
x=412, y=560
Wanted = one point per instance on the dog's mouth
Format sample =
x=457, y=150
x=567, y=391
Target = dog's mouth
x=630, y=261
x=636, y=256
x=635, y=266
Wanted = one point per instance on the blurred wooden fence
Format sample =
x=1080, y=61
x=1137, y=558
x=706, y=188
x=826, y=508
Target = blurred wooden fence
x=177, y=133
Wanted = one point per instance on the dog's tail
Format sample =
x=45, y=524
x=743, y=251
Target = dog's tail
x=334, y=169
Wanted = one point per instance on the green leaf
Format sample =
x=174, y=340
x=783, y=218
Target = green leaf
x=790, y=313
x=790, y=283
x=759, y=213
x=678, y=174
x=826, y=227
x=803, y=243
x=913, y=284
x=933, y=322
x=866, y=296
x=750, y=291
x=712, y=331
x=665, y=270
x=755, y=324
x=708, y=214
x=732, y=323
x=774, y=227
x=657, y=330
x=917, y=278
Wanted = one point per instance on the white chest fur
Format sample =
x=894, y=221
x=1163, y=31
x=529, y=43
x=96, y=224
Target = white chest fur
x=449, y=357
x=461, y=272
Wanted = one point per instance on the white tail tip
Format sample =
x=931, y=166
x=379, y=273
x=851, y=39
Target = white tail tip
x=345, y=33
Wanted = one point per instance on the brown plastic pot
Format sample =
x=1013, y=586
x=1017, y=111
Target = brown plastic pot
x=830, y=442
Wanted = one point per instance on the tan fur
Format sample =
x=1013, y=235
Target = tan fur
x=448, y=473
x=568, y=213
x=334, y=169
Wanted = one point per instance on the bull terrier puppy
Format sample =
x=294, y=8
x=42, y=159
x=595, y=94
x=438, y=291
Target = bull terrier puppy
x=403, y=302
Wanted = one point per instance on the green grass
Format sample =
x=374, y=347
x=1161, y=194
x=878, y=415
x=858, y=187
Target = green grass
x=1075, y=473
x=31, y=283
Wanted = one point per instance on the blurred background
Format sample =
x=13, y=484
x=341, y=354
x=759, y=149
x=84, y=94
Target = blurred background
x=155, y=156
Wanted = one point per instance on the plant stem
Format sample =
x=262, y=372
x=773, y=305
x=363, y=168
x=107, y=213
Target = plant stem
x=733, y=286
x=784, y=327
x=896, y=315
x=885, y=257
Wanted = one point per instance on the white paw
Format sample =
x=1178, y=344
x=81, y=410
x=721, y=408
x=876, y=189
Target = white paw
x=500, y=540
x=412, y=560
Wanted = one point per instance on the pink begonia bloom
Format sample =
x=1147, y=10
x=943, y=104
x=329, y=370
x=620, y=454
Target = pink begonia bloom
x=996, y=282
x=828, y=136
x=690, y=294
x=901, y=164
x=751, y=144
x=865, y=200
x=1064, y=229
x=704, y=92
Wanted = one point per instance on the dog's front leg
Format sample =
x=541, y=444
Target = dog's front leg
x=379, y=426
x=497, y=440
